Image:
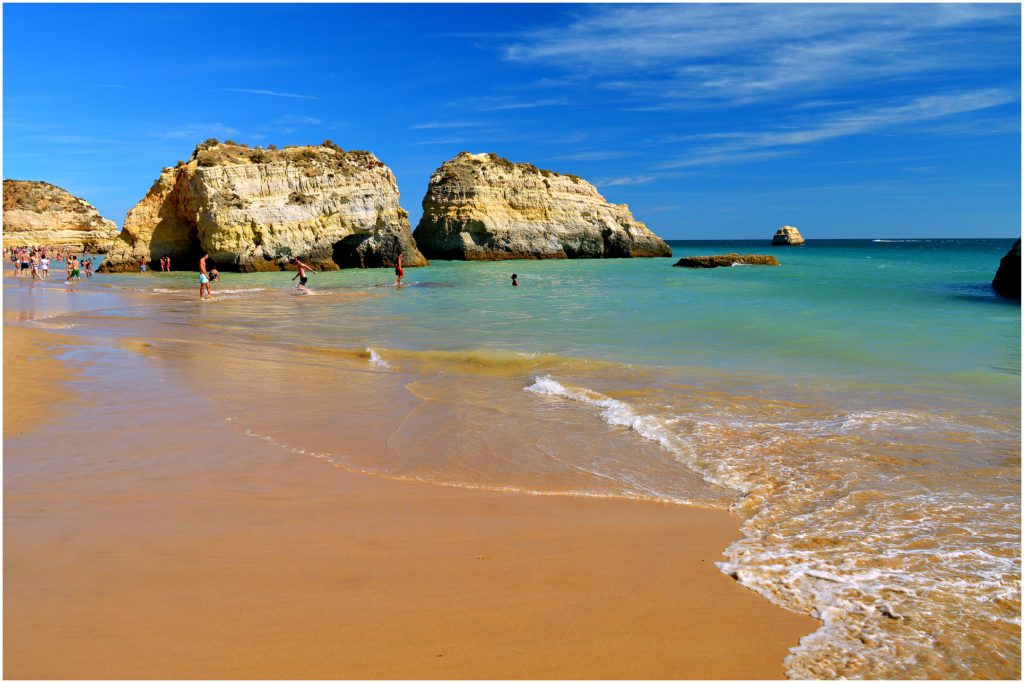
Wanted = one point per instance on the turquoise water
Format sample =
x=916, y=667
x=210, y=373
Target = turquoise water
x=919, y=314
x=858, y=407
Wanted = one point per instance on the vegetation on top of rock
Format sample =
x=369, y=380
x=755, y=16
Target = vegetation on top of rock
x=312, y=159
x=509, y=165
x=39, y=195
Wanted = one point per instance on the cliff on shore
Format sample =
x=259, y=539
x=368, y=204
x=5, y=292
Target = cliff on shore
x=255, y=209
x=482, y=207
x=38, y=214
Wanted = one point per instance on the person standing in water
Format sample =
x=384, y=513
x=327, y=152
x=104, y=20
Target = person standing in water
x=303, y=269
x=515, y=282
x=399, y=272
x=74, y=275
x=204, y=278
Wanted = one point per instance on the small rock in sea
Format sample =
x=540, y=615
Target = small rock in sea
x=1007, y=279
x=726, y=260
x=787, y=235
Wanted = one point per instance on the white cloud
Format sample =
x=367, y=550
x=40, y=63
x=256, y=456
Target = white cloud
x=500, y=104
x=440, y=125
x=598, y=155
x=298, y=120
x=625, y=180
x=200, y=131
x=732, y=53
x=749, y=146
x=272, y=93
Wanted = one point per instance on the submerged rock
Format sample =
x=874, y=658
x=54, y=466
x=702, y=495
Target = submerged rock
x=1007, y=279
x=481, y=207
x=39, y=214
x=255, y=209
x=787, y=235
x=726, y=260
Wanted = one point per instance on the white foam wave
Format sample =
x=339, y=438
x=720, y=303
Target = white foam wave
x=376, y=359
x=620, y=414
x=876, y=554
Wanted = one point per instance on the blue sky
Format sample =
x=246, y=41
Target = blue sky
x=710, y=121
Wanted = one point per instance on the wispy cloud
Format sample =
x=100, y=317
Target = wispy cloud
x=731, y=147
x=597, y=155
x=272, y=93
x=500, y=104
x=199, y=131
x=625, y=180
x=741, y=53
x=441, y=125
x=251, y=63
x=292, y=119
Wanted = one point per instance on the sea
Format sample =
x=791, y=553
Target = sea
x=857, y=407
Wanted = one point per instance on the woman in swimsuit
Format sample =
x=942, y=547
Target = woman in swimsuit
x=399, y=273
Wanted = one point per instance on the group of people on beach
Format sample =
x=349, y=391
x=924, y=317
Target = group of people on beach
x=35, y=262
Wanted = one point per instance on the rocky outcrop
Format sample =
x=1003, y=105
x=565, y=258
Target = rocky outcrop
x=39, y=214
x=254, y=209
x=726, y=260
x=787, y=235
x=1007, y=280
x=481, y=207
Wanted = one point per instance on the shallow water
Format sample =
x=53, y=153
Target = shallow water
x=858, y=407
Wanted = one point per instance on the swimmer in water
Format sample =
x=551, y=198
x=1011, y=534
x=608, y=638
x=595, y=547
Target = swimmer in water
x=303, y=269
x=515, y=282
x=399, y=272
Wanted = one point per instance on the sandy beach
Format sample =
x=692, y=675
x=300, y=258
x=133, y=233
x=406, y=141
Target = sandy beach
x=143, y=539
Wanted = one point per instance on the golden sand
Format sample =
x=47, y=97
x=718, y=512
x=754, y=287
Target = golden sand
x=222, y=557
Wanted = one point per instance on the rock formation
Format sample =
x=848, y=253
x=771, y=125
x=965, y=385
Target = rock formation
x=787, y=235
x=481, y=207
x=255, y=209
x=726, y=260
x=38, y=213
x=1007, y=280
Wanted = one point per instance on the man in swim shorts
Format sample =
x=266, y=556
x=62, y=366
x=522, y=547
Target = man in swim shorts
x=73, y=273
x=303, y=269
x=204, y=278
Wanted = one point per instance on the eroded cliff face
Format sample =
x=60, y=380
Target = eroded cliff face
x=38, y=214
x=485, y=208
x=255, y=209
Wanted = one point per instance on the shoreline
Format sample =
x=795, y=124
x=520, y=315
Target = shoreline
x=180, y=549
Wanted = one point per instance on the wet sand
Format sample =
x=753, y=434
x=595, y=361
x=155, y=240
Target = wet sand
x=144, y=539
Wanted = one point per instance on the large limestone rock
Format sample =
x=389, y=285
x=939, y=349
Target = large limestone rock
x=787, y=235
x=38, y=214
x=481, y=207
x=255, y=209
x=726, y=260
x=1007, y=280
